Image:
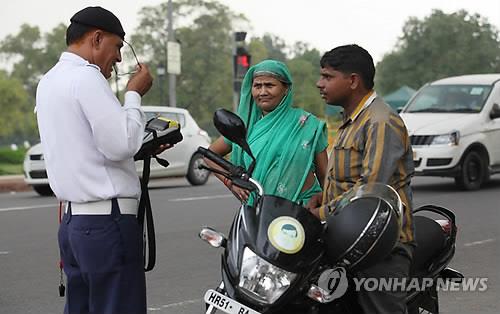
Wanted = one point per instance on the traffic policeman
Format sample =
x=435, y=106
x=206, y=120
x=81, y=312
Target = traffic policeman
x=89, y=140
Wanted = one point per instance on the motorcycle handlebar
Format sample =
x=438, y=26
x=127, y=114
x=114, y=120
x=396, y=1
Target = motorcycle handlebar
x=218, y=160
x=244, y=184
x=235, y=172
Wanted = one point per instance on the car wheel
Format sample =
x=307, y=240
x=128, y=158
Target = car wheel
x=197, y=176
x=473, y=172
x=43, y=190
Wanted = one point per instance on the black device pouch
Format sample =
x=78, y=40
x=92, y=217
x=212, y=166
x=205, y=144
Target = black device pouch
x=158, y=131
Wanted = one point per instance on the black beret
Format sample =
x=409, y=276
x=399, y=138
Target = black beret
x=100, y=18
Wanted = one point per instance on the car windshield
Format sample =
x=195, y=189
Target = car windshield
x=179, y=117
x=450, y=99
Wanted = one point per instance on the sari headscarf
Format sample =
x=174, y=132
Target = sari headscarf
x=284, y=141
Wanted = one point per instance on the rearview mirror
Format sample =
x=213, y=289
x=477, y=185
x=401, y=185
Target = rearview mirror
x=232, y=127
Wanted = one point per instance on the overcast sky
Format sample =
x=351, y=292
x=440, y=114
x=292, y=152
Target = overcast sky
x=324, y=24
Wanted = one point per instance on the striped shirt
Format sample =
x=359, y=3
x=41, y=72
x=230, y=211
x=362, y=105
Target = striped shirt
x=372, y=145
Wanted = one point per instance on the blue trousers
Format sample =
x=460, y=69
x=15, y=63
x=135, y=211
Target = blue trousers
x=103, y=261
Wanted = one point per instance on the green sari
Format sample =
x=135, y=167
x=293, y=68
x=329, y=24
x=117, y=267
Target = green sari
x=284, y=141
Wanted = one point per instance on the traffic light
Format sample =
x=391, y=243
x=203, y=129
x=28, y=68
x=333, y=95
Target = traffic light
x=241, y=63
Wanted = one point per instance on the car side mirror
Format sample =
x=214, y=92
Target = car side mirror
x=232, y=127
x=495, y=111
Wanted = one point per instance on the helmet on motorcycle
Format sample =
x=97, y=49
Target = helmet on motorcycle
x=364, y=228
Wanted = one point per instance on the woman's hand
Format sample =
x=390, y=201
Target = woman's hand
x=314, y=204
x=240, y=193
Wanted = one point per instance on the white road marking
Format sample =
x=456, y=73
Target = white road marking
x=201, y=198
x=178, y=304
x=6, y=209
x=479, y=242
x=210, y=197
x=4, y=252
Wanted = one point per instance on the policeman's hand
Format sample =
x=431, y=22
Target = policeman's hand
x=141, y=81
x=163, y=148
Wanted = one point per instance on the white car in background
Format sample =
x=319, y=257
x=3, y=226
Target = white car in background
x=454, y=127
x=183, y=159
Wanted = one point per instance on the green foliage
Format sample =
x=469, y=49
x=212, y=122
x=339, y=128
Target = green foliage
x=257, y=50
x=205, y=33
x=11, y=169
x=204, y=29
x=31, y=55
x=11, y=162
x=304, y=69
x=275, y=47
x=8, y=156
x=438, y=46
x=17, y=118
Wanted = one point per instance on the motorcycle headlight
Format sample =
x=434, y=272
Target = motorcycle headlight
x=261, y=280
x=446, y=139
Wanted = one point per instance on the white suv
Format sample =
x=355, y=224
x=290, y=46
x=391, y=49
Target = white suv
x=182, y=157
x=454, y=127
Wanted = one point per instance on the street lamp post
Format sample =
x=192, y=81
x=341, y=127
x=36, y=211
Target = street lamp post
x=160, y=70
x=171, y=74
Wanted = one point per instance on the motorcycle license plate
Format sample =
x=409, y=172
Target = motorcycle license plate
x=226, y=304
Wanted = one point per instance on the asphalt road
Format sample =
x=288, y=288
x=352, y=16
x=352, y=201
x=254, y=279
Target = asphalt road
x=186, y=266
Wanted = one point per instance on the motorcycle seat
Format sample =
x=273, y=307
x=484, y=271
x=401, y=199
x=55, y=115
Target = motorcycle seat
x=431, y=241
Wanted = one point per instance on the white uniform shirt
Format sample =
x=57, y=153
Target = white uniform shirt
x=88, y=138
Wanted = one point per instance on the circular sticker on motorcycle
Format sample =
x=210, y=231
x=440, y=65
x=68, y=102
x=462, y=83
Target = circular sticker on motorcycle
x=286, y=234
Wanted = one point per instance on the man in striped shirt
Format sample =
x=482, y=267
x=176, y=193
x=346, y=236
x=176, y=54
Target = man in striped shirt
x=372, y=145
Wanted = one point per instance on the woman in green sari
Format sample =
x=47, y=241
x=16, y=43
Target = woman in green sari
x=288, y=143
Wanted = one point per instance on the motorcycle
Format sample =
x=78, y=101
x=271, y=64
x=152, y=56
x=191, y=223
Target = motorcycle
x=274, y=257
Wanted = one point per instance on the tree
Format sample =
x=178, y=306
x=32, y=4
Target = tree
x=304, y=68
x=276, y=47
x=438, y=46
x=257, y=50
x=205, y=33
x=32, y=53
x=17, y=121
x=268, y=46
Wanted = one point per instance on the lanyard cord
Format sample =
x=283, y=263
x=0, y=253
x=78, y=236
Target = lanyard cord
x=60, y=211
x=61, y=278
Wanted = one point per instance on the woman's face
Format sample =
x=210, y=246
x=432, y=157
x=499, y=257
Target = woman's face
x=268, y=92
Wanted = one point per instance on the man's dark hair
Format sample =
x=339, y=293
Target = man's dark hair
x=351, y=59
x=75, y=32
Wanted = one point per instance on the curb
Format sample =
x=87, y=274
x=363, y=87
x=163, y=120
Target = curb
x=13, y=184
